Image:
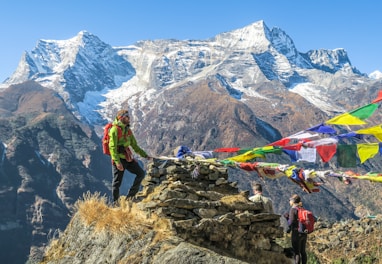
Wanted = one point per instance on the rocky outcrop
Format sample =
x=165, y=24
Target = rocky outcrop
x=353, y=241
x=188, y=211
x=206, y=209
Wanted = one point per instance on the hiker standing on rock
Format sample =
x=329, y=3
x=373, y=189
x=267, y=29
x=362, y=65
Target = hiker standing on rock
x=259, y=197
x=121, y=138
x=298, y=239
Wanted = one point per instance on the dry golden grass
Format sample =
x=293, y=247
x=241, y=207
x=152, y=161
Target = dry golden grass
x=55, y=251
x=94, y=211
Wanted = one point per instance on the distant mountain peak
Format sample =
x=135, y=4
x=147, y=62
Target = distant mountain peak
x=376, y=75
x=84, y=33
x=84, y=37
x=331, y=60
x=78, y=39
x=255, y=36
x=54, y=57
x=74, y=67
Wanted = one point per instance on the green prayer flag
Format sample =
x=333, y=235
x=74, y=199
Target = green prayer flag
x=365, y=111
x=347, y=156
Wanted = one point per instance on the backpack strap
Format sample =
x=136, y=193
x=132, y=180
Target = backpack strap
x=129, y=132
x=127, y=151
x=119, y=129
x=296, y=215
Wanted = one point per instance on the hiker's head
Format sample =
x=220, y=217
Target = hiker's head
x=257, y=188
x=295, y=199
x=123, y=115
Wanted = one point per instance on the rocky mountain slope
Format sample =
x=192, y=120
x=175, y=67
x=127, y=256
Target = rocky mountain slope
x=49, y=160
x=348, y=241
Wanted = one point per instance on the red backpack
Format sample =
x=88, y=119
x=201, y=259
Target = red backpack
x=106, y=138
x=305, y=221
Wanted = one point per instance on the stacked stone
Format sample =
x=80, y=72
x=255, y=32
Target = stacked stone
x=208, y=210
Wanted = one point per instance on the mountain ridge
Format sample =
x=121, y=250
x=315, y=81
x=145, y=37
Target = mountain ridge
x=181, y=62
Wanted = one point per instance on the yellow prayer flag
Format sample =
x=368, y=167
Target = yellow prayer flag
x=345, y=119
x=367, y=177
x=379, y=137
x=375, y=131
x=367, y=151
x=249, y=155
x=354, y=117
x=289, y=171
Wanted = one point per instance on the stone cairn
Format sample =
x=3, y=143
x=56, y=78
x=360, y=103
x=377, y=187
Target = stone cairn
x=205, y=209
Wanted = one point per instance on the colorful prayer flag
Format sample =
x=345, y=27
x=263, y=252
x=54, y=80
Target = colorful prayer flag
x=346, y=156
x=375, y=131
x=226, y=149
x=281, y=142
x=292, y=154
x=307, y=154
x=367, y=151
x=379, y=97
x=321, y=128
x=326, y=152
x=354, y=117
x=349, y=135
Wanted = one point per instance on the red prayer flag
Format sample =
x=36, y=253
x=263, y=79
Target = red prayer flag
x=281, y=142
x=248, y=166
x=379, y=98
x=226, y=150
x=326, y=152
x=295, y=147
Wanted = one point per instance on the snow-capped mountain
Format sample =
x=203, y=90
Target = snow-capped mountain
x=74, y=68
x=94, y=79
x=258, y=67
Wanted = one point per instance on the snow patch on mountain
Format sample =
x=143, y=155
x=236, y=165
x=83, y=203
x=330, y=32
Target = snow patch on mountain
x=88, y=107
x=134, y=91
x=315, y=95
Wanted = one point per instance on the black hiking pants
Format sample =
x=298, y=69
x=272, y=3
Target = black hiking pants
x=299, y=247
x=132, y=167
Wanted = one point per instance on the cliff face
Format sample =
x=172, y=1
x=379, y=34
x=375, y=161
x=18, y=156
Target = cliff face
x=187, y=212
x=48, y=160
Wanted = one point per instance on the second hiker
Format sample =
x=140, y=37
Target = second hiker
x=298, y=239
x=259, y=197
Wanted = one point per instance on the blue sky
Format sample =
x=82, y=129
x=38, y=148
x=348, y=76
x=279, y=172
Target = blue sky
x=355, y=25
